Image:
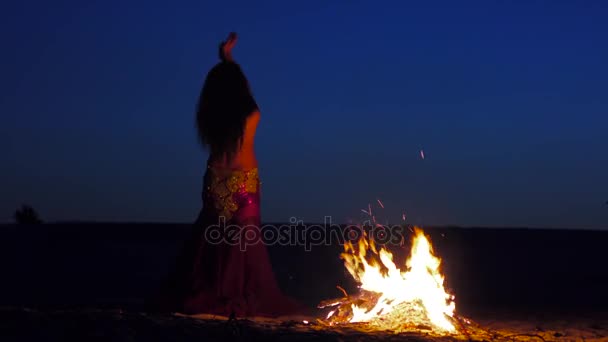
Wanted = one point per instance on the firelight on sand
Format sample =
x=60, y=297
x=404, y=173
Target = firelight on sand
x=391, y=298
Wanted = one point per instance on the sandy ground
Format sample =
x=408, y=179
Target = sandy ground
x=22, y=324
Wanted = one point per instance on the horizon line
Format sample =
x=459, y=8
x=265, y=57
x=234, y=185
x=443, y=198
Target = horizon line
x=438, y=226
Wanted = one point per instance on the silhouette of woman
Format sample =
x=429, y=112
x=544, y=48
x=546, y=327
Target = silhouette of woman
x=216, y=272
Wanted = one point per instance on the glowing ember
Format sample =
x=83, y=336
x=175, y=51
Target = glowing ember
x=395, y=299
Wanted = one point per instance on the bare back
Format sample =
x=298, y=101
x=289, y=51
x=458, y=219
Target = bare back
x=244, y=159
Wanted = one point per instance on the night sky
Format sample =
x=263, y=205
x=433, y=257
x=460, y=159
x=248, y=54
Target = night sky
x=508, y=100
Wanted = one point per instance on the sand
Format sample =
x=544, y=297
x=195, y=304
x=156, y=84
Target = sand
x=20, y=324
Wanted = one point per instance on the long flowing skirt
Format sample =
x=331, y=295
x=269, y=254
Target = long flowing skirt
x=224, y=267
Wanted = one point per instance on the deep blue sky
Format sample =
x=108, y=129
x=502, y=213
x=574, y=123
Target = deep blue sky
x=508, y=99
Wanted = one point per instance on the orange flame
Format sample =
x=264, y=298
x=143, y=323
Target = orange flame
x=416, y=295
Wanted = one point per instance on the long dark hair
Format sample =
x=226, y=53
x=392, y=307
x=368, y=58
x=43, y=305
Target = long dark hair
x=224, y=104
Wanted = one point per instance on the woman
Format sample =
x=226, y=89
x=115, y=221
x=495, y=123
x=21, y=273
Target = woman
x=224, y=278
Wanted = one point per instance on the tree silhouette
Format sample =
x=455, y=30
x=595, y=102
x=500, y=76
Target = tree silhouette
x=27, y=215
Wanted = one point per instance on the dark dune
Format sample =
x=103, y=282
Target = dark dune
x=85, y=282
x=119, y=265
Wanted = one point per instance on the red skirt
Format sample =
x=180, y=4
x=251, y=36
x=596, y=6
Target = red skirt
x=224, y=267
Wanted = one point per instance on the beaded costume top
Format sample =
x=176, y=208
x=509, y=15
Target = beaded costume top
x=224, y=186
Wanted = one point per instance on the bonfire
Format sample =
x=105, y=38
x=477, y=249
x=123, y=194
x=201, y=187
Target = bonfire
x=390, y=298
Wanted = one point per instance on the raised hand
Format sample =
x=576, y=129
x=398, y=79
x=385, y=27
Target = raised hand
x=226, y=47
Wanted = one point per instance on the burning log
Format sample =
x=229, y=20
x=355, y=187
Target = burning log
x=341, y=308
x=361, y=298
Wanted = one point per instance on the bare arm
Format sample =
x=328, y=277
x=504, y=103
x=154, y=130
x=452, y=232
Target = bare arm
x=226, y=48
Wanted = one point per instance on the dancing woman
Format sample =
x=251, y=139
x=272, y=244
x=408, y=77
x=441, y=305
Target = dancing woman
x=222, y=277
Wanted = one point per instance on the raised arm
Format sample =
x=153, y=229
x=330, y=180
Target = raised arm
x=226, y=46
